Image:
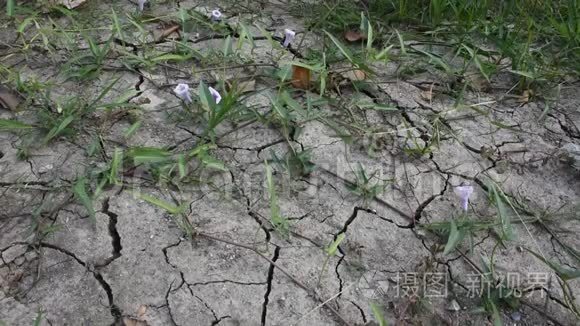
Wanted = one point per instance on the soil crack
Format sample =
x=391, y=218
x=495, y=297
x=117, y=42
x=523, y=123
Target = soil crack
x=115, y=310
x=269, y=287
x=115, y=236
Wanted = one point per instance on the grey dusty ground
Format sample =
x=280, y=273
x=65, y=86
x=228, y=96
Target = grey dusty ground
x=134, y=266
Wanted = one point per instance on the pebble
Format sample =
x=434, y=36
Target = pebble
x=45, y=168
x=516, y=316
x=454, y=306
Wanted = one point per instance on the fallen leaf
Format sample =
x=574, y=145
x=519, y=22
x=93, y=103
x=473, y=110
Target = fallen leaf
x=355, y=75
x=300, y=77
x=526, y=96
x=354, y=36
x=69, y=4
x=240, y=86
x=167, y=31
x=128, y=321
x=247, y=86
x=9, y=99
x=141, y=311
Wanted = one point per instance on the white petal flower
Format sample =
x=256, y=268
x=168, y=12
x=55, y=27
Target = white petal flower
x=216, y=15
x=182, y=91
x=464, y=192
x=288, y=37
x=141, y=4
x=215, y=94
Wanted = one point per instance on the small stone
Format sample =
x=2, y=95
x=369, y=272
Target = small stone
x=516, y=316
x=454, y=306
x=45, y=168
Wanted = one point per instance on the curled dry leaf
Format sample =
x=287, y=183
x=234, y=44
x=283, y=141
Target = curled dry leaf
x=9, y=99
x=526, y=96
x=354, y=36
x=166, y=31
x=300, y=77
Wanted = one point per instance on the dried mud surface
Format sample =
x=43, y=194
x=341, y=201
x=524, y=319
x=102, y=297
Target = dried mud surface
x=134, y=266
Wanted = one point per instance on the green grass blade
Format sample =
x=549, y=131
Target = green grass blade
x=401, y=42
x=213, y=163
x=565, y=273
x=170, y=208
x=115, y=166
x=455, y=237
x=58, y=129
x=181, y=166
x=347, y=54
x=333, y=247
x=104, y=92
x=13, y=125
x=10, y=6
x=378, y=314
x=141, y=155
x=131, y=131
x=502, y=211
x=80, y=192
x=207, y=101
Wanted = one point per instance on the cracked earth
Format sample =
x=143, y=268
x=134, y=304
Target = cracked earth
x=133, y=265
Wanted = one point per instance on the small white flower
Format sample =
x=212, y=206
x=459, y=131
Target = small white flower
x=141, y=4
x=215, y=94
x=182, y=91
x=288, y=37
x=464, y=192
x=216, y=15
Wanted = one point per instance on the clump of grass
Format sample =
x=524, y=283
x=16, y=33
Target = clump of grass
x=366, y=186
x=534, y=40
x=296, y=163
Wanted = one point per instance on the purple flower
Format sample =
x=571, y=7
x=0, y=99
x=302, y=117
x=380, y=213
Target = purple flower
x=464, y=192
x=216, y=15
x=182, y=91
x=141, y=4
x=215, y=94
x=288, y=37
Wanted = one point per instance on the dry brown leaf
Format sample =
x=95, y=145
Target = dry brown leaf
x=355, y=75
x=526, y=96
x=244, y=86
x=70, y=4
x=141, y=311
x=133, y=322
x=167, y=31
x=300, y=77
x=247, y=86
x=354, y=36
x=9, y=99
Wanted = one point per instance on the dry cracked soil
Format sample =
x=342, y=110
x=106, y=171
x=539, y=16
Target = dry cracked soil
x=133, y=264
